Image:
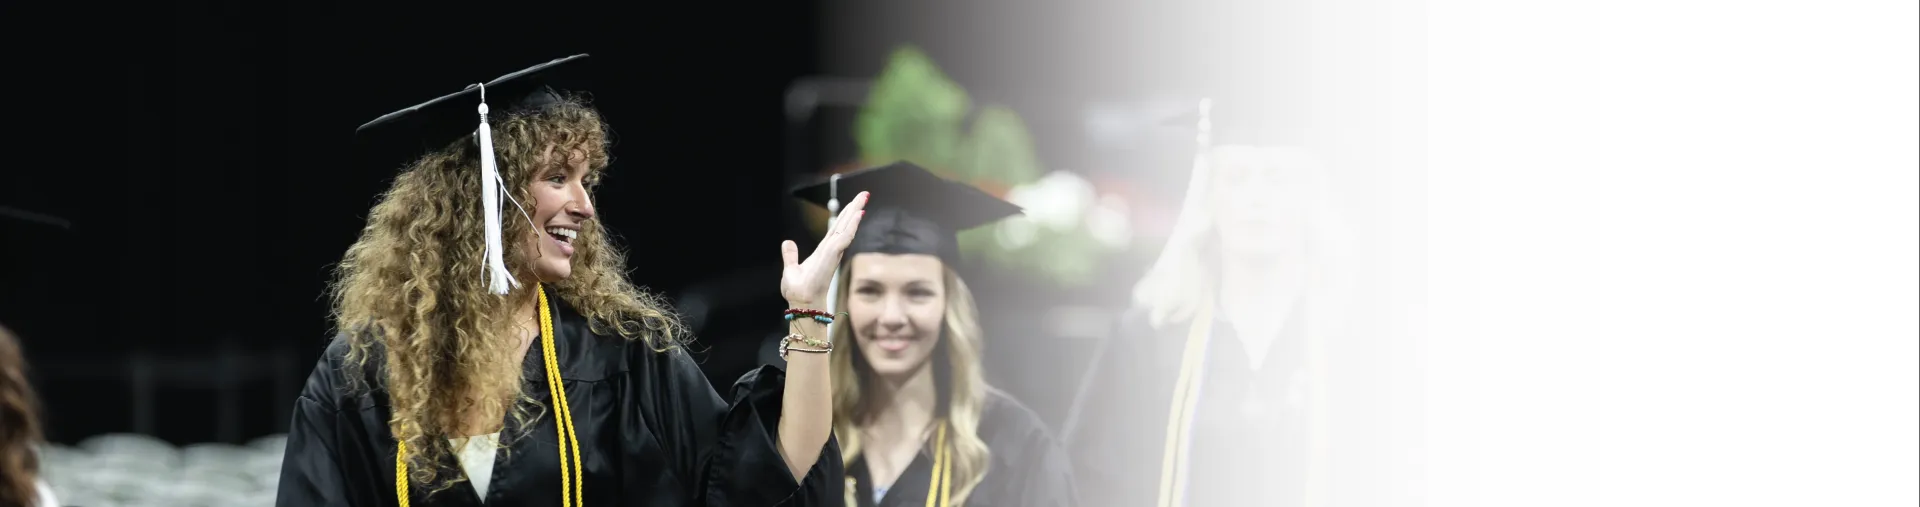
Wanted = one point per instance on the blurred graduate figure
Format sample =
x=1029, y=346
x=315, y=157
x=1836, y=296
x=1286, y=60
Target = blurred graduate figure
x=916, y=423
x=488, y=336
x=1211, y=391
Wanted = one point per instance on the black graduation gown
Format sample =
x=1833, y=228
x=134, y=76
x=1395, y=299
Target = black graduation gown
x=652, y=431
x=1249, y=433
x=1027, y=466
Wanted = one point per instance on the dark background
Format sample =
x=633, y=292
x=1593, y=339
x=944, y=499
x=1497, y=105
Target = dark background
x=199, y=151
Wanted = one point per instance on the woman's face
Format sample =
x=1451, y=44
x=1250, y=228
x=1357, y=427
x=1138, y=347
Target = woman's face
x=897, y=303
x=1260, y=199
x=562, y=207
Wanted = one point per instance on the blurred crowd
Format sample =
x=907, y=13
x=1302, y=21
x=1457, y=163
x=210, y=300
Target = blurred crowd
x=128, y=470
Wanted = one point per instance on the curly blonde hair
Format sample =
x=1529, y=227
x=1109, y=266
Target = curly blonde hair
x=413, y=287
x=962, y=388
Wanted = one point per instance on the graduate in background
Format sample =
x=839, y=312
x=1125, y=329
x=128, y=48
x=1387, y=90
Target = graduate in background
x=492, y=351
x=1211, y=392
x=916, y=422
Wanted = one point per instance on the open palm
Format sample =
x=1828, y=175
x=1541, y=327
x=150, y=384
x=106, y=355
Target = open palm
x=804, y=283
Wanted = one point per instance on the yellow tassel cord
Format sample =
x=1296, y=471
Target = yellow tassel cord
x=941, y=486
x=400, y=474
x=564, y=421
x=572, y=476
x=1173, y=461
x=946, y=472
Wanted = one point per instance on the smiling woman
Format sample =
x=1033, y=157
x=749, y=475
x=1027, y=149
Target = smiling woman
x=484, y=270
x=562, y=203
x=919, y=423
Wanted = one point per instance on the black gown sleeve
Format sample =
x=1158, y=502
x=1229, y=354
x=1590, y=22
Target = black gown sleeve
x=316, y=467
x=731, y=446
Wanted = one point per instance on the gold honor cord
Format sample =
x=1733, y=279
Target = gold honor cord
x=1186, y=395
x=940, y=480
x=563, y=423
x=940, y=484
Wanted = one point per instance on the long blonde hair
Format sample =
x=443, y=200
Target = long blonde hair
x=411, y=286
x=957, y=382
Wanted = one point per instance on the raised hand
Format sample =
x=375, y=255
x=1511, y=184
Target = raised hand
x=804, y=283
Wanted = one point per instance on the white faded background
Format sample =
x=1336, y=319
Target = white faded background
x=1673, y=253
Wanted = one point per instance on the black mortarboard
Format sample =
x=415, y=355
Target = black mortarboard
x=910, y=210
x=394, y=141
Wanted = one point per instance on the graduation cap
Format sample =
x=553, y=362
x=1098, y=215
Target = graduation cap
x=909, y=209
x=396, y=140
x=1234, y=121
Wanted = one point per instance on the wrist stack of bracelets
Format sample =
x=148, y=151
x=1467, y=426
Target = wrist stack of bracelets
x=805, y=343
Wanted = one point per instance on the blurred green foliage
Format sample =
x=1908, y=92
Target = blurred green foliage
x=915, y=112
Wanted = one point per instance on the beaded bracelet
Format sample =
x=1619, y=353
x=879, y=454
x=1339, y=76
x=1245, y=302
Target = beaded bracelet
x=817, y=315
x=816, y=318
x=817, y=345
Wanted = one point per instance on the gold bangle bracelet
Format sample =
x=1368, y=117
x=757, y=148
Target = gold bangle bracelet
x=818, y=346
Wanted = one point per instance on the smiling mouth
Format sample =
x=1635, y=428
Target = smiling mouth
x=562, y=235
x=893, y=343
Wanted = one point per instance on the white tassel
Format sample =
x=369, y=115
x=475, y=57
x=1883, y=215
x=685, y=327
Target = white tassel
x=833, y=284
x=499, y=280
